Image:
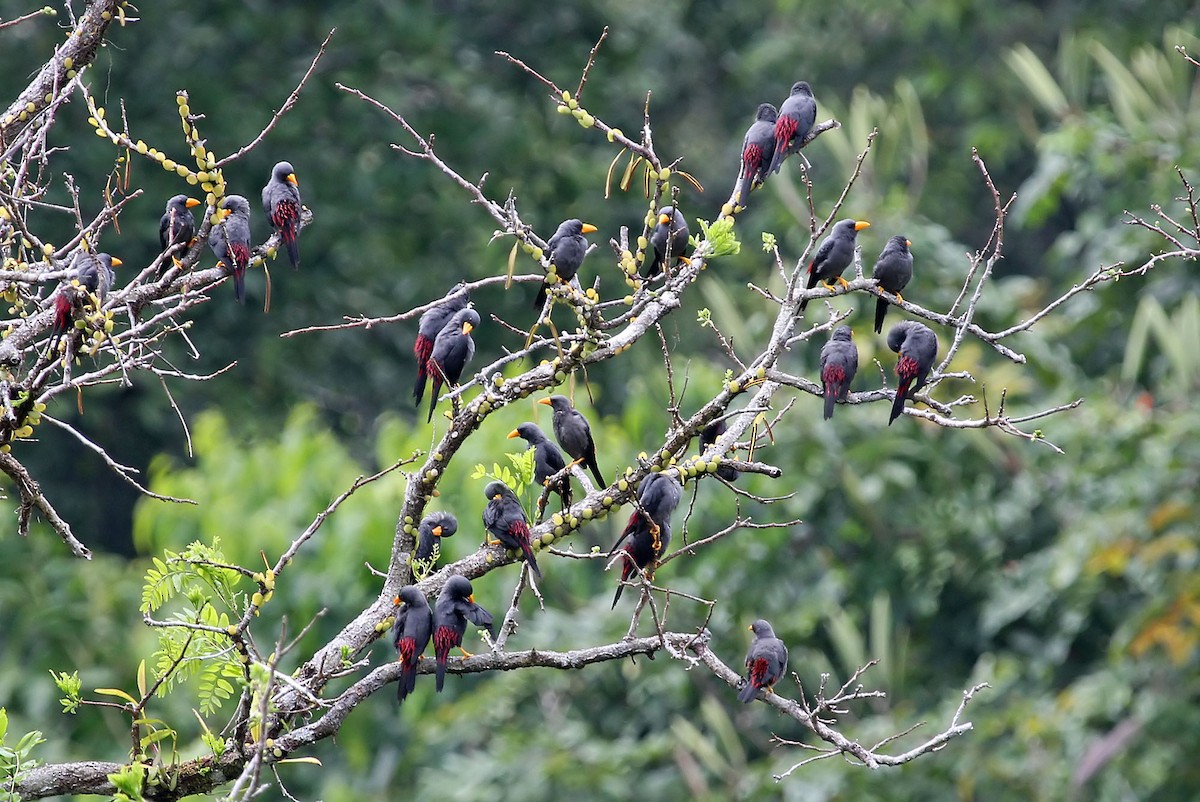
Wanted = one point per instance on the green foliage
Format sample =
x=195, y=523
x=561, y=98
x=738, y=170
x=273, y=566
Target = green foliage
x=519, y=477
x=15, y=760
x=128, y=782
x=71, y=685
x=719, y=238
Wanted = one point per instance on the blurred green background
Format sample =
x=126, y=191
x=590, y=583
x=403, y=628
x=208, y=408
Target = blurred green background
x=1067, y=582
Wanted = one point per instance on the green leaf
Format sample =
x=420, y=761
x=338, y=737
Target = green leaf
x=120, y=694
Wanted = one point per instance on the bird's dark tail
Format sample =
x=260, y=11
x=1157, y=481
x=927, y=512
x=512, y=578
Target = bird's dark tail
x=292, y=243
x=595, y=469
x=880, y=313
x=898, y=404
x=747, y=693
x=830, y=398
x=440, y=674
x=239, y=284
x=529, y=558
x=433, y=397
x=812, y=282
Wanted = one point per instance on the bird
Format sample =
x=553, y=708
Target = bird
x=90, y=273
x=547, y=461
x=708, y=436
x=452, y=350
x=432, y=321
x=839, y=363
x=504, y=519
x=669, y=240
x=281, y=202
x=574, y=433
x=917, y=346
x=766, y=661
x=230, y=241
x=432, y=529
x=565, y=252
x=648, y=528
x=796, y=117
x=834, y=255
x=410, y=635
x=893, y=270
x=177, y=225
x=455, y=606
x=758, y=148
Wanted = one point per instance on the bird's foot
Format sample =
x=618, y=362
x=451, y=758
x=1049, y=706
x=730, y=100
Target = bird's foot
x=841, y=282
x=899, y=297
x=465, y=653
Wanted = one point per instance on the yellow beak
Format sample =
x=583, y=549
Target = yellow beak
x=545, y=401
x=116, y=262
x=437, y=531
x=663, y=219
x=907, y=243
x=190, y=202
x=467, y=327
x=751, y=627
x=513, y=433
x=225, y=213
x=471, y=598
x=291, y=179
x=588, y=228
x=859, y=225
x=497, y=497
x=397, y=600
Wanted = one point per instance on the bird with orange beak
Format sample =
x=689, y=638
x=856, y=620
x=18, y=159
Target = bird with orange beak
x=565, y=251
x=281, y=202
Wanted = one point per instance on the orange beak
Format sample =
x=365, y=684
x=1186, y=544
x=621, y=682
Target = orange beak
x=907, y=243
x=291, y=179
x=545, y=401
x=467, y=327
x=663, y=219
x=437, y=531
x=116, y=262
x=471, y=598
x=513, y=433
x=859, y=225
x=588, y=228
x=191, y=202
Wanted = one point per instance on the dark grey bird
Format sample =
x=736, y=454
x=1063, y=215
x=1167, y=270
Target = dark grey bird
x=839, y=363
x=565, y=250
x=177, y=226
x=230, y=241
x=281, y=202
x=454, y=608
x=432, y=529
x=504, y=519
x=834, y=255
x=649, y=528
x=917, y=346
x=547, y=460
x=893, y=270
x=796, y=117
x=574, y=433
x=433, y=320
x=758, y=148
x=410, y=635
x=90, y=273
x=668, y=240
x=708, y=436
x=452, y=350
x=766, y=662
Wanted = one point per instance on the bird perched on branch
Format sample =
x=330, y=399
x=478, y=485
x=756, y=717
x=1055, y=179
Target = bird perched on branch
x=669, y=241
x=504, y=519
x=91, y=274
x=432, y=529
x=547, y=461
x=410, y=635
x=917, y=346
x=230, y=241
x=796, y=117
x=281, y=202
x=452, y=350
x=839, y=363
x=565, y=251
x=454, y=608
x=834, y=255
x=766, y=662
x=433, y=320
x=758, y=149
x=893, y=270
x=177, y=226
x=648, y=529
x=708, y=436
x=574, y=433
